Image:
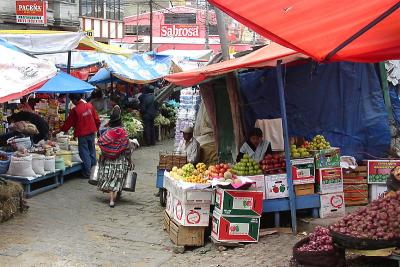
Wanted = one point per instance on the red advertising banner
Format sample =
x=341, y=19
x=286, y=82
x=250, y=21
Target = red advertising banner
x=179, y=30
x=379, y=170
x=31, y=12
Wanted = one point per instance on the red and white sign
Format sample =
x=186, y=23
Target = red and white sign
x=179, y=30
x=31, y=12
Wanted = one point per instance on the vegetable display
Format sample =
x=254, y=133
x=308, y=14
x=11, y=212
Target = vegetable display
x=320, y=240
x=160, y=120
x=380, y=220
x=133, y=126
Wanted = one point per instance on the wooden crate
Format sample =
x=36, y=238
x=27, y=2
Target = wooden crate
x=355, y=194
x=167, y=222
x=186, y=236
x=304, y=189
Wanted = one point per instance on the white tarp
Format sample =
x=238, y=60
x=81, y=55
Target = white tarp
x=43, y=41
x=21, y=74
x=189, y=59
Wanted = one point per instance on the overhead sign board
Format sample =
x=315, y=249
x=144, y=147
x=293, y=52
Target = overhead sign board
x=179, y=30
x=31, y=12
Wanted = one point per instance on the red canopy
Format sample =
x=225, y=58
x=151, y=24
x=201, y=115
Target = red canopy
x=263, y=57
x=368, y=30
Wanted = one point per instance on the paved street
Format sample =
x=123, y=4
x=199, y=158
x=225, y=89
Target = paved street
x=73, y=226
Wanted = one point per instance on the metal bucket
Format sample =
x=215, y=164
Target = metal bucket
x=130, y=182
x=93, y=179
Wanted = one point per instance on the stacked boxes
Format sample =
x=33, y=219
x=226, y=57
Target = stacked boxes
x=303, y=175
x=355, y=186
x=188, y=212
x=329, y=182
x=236, y=217
x=169, y=160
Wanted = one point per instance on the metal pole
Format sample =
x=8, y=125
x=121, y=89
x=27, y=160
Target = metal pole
x=69, y=62
x=151, y=25
x=287, y=148
x=207, y=41
x=222, y=34
x=137, y=27
x=67, y=96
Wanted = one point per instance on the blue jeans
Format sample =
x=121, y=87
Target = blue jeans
x=87, y=152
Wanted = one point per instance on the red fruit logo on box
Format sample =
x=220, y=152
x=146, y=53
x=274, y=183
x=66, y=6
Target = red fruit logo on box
x=337, y=201
x=193, y=217
x=179, y=210
x=247, y=203
x=275, y=189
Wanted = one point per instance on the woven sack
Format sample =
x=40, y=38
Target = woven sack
x=21, y=166
x=20, y=143
x=50, y=164
x=59, y=163
x=38, y=164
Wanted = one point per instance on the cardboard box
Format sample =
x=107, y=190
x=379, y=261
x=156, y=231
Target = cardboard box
x=276, y=186
x=235, y=228
x=191, y=214
x=332, y=205
x=303, y=171
x=186, y=236
x=259, y=184
x=238, y=202
x=169, y=205
x=379, y=170
x=304, y=189
x=167, y=221
x=377, y=191
x=327, y=158
x=329, y=180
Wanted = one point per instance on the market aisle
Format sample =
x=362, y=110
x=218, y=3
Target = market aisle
x=73, y=226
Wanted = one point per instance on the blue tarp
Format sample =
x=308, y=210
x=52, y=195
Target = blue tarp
x=343, y=101
x=395, y=101
x=102, y=76
x=64, y=83
x=139, y=68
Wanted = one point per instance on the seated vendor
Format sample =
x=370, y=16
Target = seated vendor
x=190, y=146
x=255, y=146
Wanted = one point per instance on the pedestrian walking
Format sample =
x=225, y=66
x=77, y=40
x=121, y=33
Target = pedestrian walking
x=149, y=112
x=86, y=122
x=115, y=159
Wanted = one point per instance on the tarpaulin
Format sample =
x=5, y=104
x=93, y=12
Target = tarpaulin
x=102, y=76
x=189, y=59
x=79, y=59
x=41, y=41
x=342, y=101
x=263, y=57
x=64, y=83
x=21, y=74
x=317, y=28
x=89, y=44
x=139, y=68
x=395, y=101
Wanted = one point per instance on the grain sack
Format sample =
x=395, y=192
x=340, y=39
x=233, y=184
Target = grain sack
x=63, y=141
x=21, y=166
x=38, y=164
x=50, y=164
x=20, y=143
x=67, y=155
x=59, y=163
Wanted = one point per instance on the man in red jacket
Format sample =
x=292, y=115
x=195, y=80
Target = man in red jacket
x=86, y=122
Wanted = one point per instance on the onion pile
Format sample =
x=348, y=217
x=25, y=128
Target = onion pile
x=378, y=220
x=320, y=240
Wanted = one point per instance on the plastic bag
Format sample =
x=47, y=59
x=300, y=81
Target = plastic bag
x=38, y=164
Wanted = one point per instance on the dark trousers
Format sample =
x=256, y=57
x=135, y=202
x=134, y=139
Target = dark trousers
x=149, y=132
x=87, y=152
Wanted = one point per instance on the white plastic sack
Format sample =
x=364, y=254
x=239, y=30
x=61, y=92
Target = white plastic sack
x=21, y=166
x=63, y=141
x=20, y=143
x=75, y=156
x=50, y=163
x=38, y=164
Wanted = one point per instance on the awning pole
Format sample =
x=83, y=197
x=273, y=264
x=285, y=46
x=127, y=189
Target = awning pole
x=287, y=148
x=67, y=96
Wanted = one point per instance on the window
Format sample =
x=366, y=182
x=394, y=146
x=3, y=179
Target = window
x=212, y=29
x=180, y=18
x=95, y=8
x=142, y=29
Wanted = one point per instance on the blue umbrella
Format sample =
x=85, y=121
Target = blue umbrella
x=64, y=83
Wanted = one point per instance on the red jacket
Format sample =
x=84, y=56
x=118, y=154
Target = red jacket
x=83, y=118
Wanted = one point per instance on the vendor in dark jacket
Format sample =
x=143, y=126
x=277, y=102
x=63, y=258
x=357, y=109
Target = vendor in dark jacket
x=38, y=121
x=148, y=109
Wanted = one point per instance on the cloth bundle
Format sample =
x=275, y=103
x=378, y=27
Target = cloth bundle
x=113, y=142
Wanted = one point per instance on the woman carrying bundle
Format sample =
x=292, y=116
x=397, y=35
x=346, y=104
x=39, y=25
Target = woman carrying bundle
x=115, y=157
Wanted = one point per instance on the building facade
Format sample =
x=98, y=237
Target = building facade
x=60, y=15
x=102, y=19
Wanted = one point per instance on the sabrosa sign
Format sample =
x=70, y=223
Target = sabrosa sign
x=179, y=30
x=31, y=12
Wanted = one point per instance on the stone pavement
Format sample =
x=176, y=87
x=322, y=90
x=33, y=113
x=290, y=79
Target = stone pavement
x=73, y=226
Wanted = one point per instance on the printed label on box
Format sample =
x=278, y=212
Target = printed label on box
x=239, y=229
x=329, y=180
x=242, y=203
x=277, y=186
x=303, y=171
x=379, y=170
